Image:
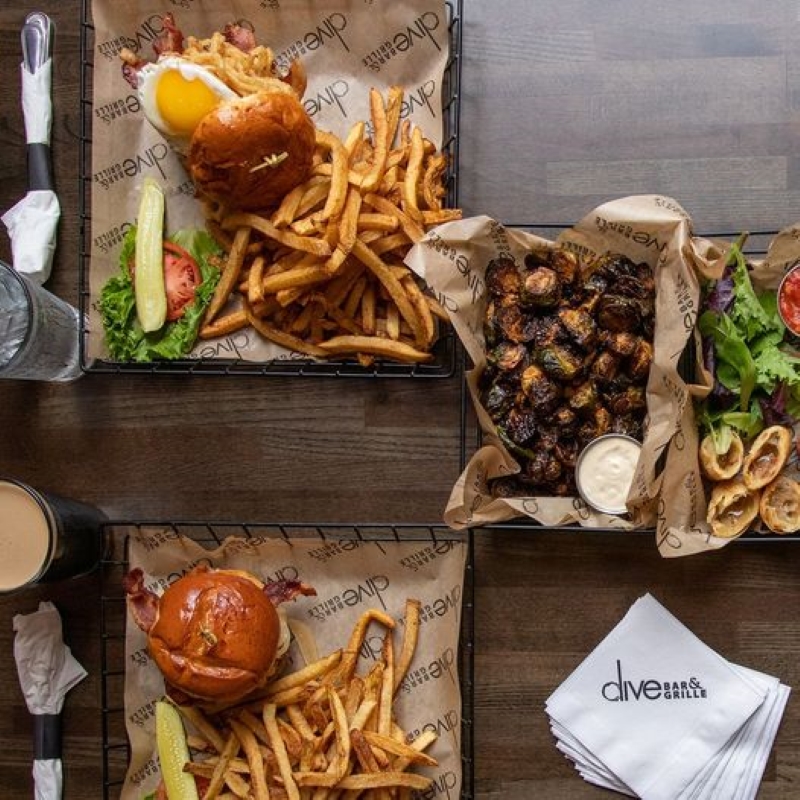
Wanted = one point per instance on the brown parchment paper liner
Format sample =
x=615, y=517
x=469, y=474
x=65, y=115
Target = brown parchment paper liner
x=347, y=46
x=650, y=228
x=350, y=576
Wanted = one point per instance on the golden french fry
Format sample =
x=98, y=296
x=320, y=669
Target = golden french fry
x=230, y=273
x=254, y=759
x=339, y=177
x=199, y=720
x=359, y=632
x=221, y=767
x=394, y=105
x=413, y=176
x=392, y=322
x=354, y=137
x=380, y=150
x=436, y=308
x=287, y=210
x=432, y=189
x=341, y=731
x=430, y=218
x=281, y=337
x=292, y=278
x=411, y=227
x=376, y=346
x=306, y=674
x=378, y=222
x=279, y=749
x=382, y=272
x=387, y=688
x=348, y=230
x=422, y=308
x=255, y=291
x=363, y=752
x=386, y=780
x=368, y=306
x=307, y=244
x=410, y=638
x=391, y=745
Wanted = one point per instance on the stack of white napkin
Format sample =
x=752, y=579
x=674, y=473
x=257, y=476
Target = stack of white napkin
x=654, y=713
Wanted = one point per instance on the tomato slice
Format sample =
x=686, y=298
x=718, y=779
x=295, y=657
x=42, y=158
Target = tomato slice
x=181, y=279
x=182, y=276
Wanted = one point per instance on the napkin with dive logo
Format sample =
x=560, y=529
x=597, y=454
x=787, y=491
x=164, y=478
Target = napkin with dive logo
x=655, y=713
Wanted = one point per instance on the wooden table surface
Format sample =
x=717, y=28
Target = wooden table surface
x=564, y=104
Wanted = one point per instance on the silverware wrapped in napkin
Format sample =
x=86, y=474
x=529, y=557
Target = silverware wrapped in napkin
x=33, y=221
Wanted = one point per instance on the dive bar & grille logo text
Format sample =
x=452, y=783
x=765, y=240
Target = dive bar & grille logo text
x=622, y=690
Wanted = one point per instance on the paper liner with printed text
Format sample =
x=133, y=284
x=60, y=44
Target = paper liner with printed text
x=667, y=492
x=346, y=46
x=350, y=576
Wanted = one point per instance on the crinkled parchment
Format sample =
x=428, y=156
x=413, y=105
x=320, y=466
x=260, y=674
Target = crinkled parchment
x=350, y=576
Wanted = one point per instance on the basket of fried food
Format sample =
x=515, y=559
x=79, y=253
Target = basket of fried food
x=327, y=729
x=323, y=274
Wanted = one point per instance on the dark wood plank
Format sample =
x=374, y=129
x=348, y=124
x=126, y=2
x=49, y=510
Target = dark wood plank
x=564, y=105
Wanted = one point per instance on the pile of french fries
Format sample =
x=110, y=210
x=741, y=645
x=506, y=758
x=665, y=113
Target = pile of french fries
x=324, y=274
x=319, y=733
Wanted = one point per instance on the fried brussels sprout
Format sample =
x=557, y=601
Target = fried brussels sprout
x=502, y=278
x=616, y=312
x=580, y=326
x=560, y=362
x=569, y=350
x=541, y=288
x=542, y=392
x=507, y=356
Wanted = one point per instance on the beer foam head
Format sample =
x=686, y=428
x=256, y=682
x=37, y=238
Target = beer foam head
x=24, y=537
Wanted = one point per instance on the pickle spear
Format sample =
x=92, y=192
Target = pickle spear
x=173, y=753
x=148, y=279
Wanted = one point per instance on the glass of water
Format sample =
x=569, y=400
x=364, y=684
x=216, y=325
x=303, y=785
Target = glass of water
x=39, y=332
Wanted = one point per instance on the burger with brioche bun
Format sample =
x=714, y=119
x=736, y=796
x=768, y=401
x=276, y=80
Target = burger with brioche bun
x=217, y=635
x=249, y=152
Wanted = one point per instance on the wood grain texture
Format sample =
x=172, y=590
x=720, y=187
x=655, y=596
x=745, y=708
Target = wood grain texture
x=564, y=105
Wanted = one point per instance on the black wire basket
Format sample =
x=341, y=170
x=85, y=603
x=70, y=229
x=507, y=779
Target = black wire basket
x=116, y=749
x=755, y=247
x=444, y=352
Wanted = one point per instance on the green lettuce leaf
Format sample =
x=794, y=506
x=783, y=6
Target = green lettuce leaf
x=125, y=339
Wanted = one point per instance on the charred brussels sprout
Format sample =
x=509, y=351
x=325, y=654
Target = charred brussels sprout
x=498, y=401
x=639, y=363
x=569, y=349
x=520, y=426
x=615, y=312
x=543, y=393
x=584, y=398
x=580, y=326
x=502, y=278
x=541, y=288
x=507, y=356
x=515, y=324
x=560, y=362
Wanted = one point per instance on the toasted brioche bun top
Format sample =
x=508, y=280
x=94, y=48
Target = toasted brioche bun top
x=216, y=634
x=249, y=152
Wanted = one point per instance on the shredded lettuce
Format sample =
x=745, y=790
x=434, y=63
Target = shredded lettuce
x=125, y=339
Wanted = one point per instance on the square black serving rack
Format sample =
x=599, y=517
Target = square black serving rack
x=116, y=748
x=445, y=350
x=755, y=246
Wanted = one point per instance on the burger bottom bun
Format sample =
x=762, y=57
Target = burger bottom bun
x=216, y=635
x=251, y=151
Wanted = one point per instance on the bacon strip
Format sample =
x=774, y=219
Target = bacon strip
x=283, y=591
x=239, y=36
x=170, y=40
x=142, y=603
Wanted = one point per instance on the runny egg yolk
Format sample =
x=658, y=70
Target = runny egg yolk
x=183, y=103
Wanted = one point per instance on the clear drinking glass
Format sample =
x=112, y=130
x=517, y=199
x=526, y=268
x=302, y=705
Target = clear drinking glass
x=39, y=332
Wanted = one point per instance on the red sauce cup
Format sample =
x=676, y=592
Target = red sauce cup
x=789, y=300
